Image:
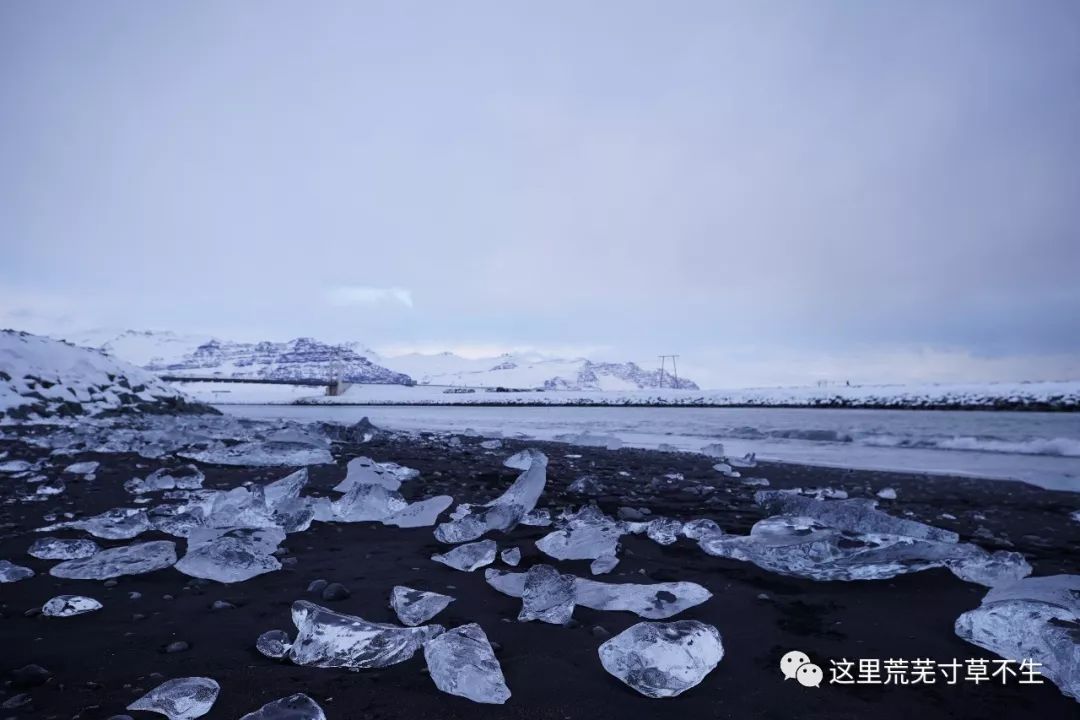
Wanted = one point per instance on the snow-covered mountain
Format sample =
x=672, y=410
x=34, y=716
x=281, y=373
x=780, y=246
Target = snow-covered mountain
x=299, y=359
x=196, y=355
x=41, y=377
x=526, y=371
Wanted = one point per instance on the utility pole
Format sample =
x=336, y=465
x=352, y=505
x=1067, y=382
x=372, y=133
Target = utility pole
x=674, y=369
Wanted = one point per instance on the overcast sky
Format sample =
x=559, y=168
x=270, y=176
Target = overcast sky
x=779, y=192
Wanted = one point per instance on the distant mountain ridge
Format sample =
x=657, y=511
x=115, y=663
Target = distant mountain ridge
x=168, y=353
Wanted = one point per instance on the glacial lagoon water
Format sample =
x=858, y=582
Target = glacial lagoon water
x=1038, y=448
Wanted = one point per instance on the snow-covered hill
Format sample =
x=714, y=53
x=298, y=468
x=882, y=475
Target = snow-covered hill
x=531, y=372
x=41, y=377
x=200, y=355
x=300, y=359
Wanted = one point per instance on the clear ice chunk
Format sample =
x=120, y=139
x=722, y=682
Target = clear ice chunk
x=126, y=560
x=180, y=699
x=547, y=596
x=587, y=439
x=663, y=659
x=294, y=707
x=664, y=531
x=230, y=555
x=329, y=639
x=183, y=477
x=83, y=468
x=115, y=524
x=10, y=572
x=69, y=605
x=654, y=601
x=423, y=513
x=469, y=557
x=804, y=547
x=511, y=556
x=1035, y=618
x=701, y=528
x=53, y=486
x=587, y=535
x=368, y=503
x=365, y=471
x=263, y=454
x=504, y=512
x=857, y=515
x=415, y=607
x=274, y=644
x=603, y=565
x=462, y=662
x=50, y=548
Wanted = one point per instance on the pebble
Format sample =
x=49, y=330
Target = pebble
x=600, y=631
x=110, y=583
x=317, y=586
x=335, y=591
x=30, y=676
x=16, y=701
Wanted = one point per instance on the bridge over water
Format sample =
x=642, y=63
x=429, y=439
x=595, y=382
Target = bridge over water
x=334, y=386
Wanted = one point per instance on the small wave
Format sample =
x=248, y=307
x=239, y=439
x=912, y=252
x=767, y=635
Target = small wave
x=1061, y=447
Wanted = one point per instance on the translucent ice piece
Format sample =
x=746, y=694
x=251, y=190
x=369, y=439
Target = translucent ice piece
x=50, y=548
x=414, y=607
x=180, y=699
x=504, y=512
x=274, y=644
x=365, y=471
x=470, y=556
x=294, y=707
x=547, y=596
x=230, y=555
x=1036, y=618
x=511, y=556
x=663, y=659
x=82, y=468
x=367, y=503
x=329, y=639
x=10, y=572
x=588, y=534
x=664, y=531
x=851, y=515
x=115, y=562
x=115, y=524
x=423, y=513
x=461, y=662
x=69, y=605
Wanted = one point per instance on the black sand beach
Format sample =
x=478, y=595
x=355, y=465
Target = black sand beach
x=102, y=661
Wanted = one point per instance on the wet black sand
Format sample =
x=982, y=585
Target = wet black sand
x=102, y=661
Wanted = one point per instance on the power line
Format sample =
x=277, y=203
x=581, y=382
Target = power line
x=674, y=369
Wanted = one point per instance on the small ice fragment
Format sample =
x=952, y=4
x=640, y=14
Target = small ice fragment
x=294, y=707
x=125, y=560
x=851, y=515
x=588, y=534
x=461, y=662
x=15, y=466
x=548, y=596
x=82, y=468
x=231, y=555
x=469, y=557
x=586, y=485
x=423, y=513
x=702, y=527
x=10, y=572
x=663, y=659
x=54, y=486
x=180, y=699
x=588, y=439
x=368, y=502
x=50, y=548
x=539, y=517
x=69, y=605
x=664, y=531
x=603, y=565
x=491, y=444
x=1036, y=619
x=511, y=556
x=365, y=471
x=715, y=450
x=274, y=644
x=414, y=607
x=887, y=493
x=726, y=470
x=329, y=639
x=504, y=512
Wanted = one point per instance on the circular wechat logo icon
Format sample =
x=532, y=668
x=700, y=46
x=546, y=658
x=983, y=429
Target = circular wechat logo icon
x=796, y=664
